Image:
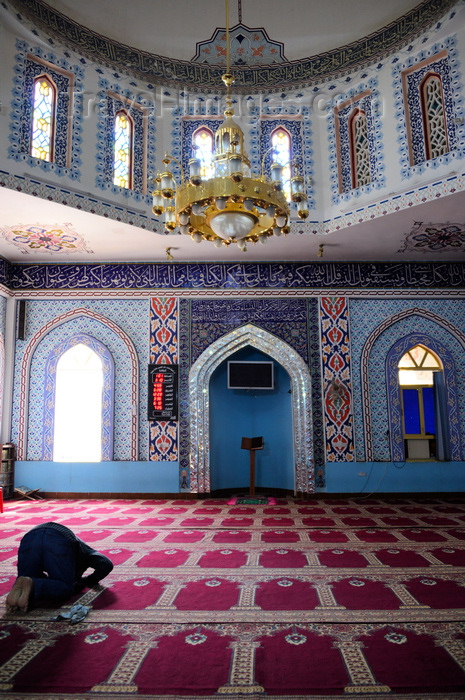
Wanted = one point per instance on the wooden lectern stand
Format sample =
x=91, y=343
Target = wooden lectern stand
x=252, y=444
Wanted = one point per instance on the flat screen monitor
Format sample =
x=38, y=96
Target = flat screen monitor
x=250, y=375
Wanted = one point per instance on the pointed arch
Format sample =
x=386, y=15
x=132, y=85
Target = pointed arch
x=26, y=366
x=123, y=149
x=202, y=146
x=364, y=366
x=281, y=141
x=107, y=394
x=355, y=146
x=199, y=404
x=359, y=148
x=43, y=118
x=397, y=351
x=434, y=116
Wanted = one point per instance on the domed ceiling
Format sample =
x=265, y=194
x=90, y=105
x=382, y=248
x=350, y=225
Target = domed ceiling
x=172, y=29
x=300, y=41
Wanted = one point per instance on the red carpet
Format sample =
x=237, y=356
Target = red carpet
x=315, y=599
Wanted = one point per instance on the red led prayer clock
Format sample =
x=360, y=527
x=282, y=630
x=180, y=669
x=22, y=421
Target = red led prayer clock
x=163, y=392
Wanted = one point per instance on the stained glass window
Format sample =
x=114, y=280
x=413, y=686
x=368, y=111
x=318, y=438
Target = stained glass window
x=43, y=121
x=434, y=117
x=359, y=149
x=282, y=154
x=202, y=142
x=123, y=150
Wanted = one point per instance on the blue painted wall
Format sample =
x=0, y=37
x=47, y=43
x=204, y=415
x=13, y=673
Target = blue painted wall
x=99, y=477
x=273, y=470
x=238, y=413
x=390, y=477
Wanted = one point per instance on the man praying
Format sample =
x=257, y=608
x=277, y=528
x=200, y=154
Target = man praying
x=52, y=561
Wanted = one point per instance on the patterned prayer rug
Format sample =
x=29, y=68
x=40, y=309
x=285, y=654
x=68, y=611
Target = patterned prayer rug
x=300, y=599
x=252, y=500
x=248, y=500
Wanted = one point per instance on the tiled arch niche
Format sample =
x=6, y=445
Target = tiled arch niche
x=199, y=403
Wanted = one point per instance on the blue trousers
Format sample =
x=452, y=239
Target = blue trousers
x=50, y=560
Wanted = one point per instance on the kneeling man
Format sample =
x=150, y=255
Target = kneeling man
x=51, y=564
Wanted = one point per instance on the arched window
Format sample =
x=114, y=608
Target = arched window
x=43, y=118
x=417, y=370
x=202, y=144
x=282, y=153
x=434, y=116
x=78, y=406
x=359, y=149
x=123, y=150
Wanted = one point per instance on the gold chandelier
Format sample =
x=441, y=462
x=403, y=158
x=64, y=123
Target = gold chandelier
x=233, y=205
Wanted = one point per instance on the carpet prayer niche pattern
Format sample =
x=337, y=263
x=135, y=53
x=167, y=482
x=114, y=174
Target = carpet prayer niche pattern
x=300, y=599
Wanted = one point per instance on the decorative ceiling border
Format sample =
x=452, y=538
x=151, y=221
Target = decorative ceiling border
x=167, y=71
x=88, y=203
x=264, y=293
x=442, y=187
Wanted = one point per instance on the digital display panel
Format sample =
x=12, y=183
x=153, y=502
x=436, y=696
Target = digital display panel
x=250, y=375
x=163, y=392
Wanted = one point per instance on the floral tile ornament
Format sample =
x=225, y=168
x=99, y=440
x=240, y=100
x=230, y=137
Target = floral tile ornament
x=432, y=238
x=55, y=238
x=248, y=46
x=338, y=401
x=163, y=439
